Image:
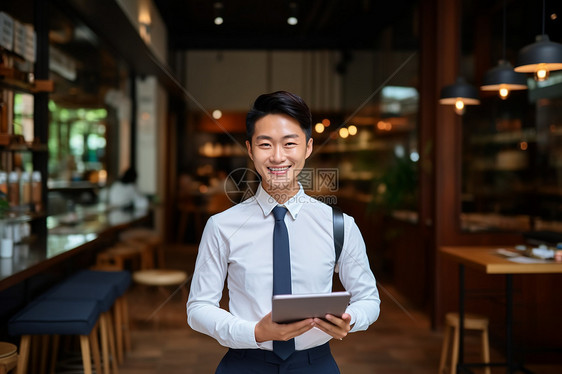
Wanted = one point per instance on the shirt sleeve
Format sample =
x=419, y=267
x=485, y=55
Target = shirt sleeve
x=357, y=278
x=204, y=313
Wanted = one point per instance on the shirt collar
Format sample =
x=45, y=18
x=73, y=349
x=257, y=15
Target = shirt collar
x=267, y=203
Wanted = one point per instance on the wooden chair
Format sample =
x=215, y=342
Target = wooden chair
x=471, y=322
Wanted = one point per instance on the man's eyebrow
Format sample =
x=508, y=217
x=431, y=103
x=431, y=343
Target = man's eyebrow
x=267, y=137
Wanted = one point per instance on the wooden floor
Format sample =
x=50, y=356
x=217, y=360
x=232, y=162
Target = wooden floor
x=400, y=342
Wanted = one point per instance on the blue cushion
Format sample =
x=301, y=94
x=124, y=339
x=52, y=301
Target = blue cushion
x=104, y=293
x=61, y=317
x=121, y=279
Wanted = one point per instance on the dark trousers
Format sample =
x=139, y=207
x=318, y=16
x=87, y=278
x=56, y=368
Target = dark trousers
x=247, y=361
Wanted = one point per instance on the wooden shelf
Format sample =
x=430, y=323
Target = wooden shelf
x=15, y=143
x=107, y=19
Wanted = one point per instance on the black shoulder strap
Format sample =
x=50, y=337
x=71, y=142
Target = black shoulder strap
x=338, y=232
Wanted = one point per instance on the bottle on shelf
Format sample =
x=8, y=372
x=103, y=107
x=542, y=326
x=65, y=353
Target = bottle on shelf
x=36, y=191
x=25, y=196
x=13, y=189
x=3, y=185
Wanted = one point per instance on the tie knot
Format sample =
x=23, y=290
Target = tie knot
x=279, y=212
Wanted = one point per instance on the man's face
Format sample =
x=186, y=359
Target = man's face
x=279, y=150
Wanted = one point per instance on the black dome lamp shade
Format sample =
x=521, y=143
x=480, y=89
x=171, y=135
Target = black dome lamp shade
x=503, y=79
x=459, y=94
x=541, y=57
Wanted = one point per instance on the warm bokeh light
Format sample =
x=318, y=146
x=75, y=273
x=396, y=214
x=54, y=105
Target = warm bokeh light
x=344, y=133
x=504, y=92
x=542, y=73
x=102, y=177
x=459, y=107
x=319, y=128
x=326, y=122
x=217, y=114
x=523, y=145
x=384, y=126
x=352, y=130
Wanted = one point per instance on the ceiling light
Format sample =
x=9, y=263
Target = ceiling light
x=502, y=78
x=293, y=14
x=218, y=7
x=541, y=57
x=459, y=94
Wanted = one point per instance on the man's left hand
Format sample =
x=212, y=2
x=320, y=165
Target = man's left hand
x=337, y=327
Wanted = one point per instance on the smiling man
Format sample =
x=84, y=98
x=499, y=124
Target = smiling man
x=241, y=245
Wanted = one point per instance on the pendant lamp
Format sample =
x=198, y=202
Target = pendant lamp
x=502, y=78
x=460, y=93
x=541, y=57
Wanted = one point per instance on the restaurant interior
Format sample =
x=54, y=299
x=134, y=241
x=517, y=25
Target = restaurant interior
x=437, y=125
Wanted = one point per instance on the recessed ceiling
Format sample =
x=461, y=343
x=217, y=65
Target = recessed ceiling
x=262, y=24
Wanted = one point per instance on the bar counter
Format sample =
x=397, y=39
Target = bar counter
x=68, y=235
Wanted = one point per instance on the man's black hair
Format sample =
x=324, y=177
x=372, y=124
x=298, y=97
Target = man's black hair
x=279, y=102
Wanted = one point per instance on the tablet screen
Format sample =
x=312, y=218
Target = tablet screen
x=291, y=308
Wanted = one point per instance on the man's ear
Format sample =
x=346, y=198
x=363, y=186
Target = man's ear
x=308, y=148
x=249, y=148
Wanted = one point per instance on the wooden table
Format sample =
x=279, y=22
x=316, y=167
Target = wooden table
x=489, y=261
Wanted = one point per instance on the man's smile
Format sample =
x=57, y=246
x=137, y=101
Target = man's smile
x=278, y=170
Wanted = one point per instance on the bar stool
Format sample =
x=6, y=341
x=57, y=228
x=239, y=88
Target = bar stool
x=103, y=293
x=149, y=241
x=471, y=322
x=121, y=280
x=161, y=278
x=118, y=255
x=8, y=357
x=58, y=317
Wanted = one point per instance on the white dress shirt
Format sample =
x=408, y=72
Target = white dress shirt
x=237, y=245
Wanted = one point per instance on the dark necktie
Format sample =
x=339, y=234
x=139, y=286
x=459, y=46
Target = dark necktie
x=281, y=272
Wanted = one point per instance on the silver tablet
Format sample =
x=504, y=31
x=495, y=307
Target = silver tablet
x=291, y=308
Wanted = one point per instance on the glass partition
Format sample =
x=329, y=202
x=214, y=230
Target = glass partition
x=512, y=161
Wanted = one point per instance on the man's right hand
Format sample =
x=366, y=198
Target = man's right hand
x=266, y=329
